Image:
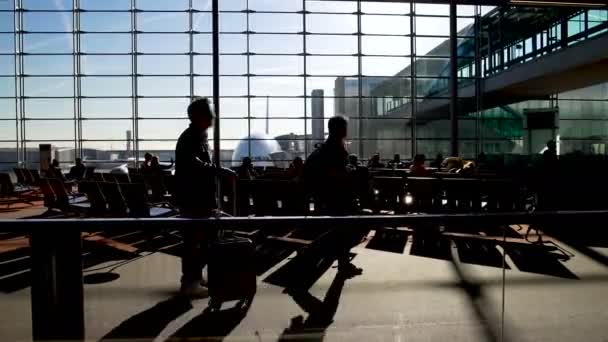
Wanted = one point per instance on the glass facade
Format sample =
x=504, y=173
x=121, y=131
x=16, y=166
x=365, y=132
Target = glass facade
x=110, y=80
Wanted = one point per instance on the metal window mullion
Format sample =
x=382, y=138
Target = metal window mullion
x=22, y=85
x=216, y=83
x=478, y=80
x=305, y=65
x=134, y=92
x=360, y=80
x=413, y=142
x=191, y=48
x=16, y=52
x=248, y=81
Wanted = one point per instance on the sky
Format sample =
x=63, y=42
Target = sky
x=323, y=69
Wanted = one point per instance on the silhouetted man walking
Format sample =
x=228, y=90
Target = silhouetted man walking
x=195, y=192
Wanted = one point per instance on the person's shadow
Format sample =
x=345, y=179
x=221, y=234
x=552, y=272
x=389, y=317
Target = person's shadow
x=320, y=313
x=212, y=324
x=147, y=325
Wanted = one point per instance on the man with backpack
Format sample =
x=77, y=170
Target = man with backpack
x=327, y=175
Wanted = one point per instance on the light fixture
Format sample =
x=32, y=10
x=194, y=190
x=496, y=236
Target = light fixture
x=409, y=199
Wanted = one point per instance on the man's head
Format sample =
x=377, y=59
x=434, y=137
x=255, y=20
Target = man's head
x=338, y=127
x=298, y=162
x=376, y=157
x=55, y=163
x=201, y=113
x=78, y=161
x=247, y=161
x=551, y=146
x=419, y=159
x=154, y=161
x=353, y=159
x=148, y=156
x=397, y=157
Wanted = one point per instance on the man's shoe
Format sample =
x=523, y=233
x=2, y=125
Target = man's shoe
x=193, y=290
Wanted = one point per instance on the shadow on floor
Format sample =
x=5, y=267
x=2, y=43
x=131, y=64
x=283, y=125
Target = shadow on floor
x=320, y=313
x=211, y=325
x=389, y=240
x=302, y=271
x=147, y=325
x=540, y=259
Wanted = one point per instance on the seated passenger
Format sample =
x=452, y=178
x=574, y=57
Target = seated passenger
x=375, y=163
x=418, y=169
x=396, y=163
x=77, y=171
x=436, y=163
x=452, y=164
x=145, y=166
x=327, y=176
x=54, y=171
x=296, y=168
x=246, y=170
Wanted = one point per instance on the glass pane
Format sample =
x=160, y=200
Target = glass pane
x=232, y=43
x=8, y=131
x=7, y=22
x=326, y=84
x=105, y=43
x=48, y=43
x=432, y=46
x=330, y=65
x=47, y=22
x=7, y=43
x=327, y=44
x=277, y=65
x=170, y=107
x=234, y=129
x=331, y=6
x=49, y=86
x=106, y=65
x=384, y=66
x=165, y=150
x=203, y=86
x=49, y=108
x=225, y=5
x=106, y=86
x=284, y=6
x=379, y=45
x=107, y=108
x=277, y=107
x=266, y=22
x=163, y=65
x=432, y=66
x=105, y=21
x=280, y=43
x=385, y=7
x=231, y=65
x=432, y=9
x=7, y=86
x=7, y=108
x=331, y=23
x=106, y=130
x=163, y=43
x=40, y=130
x=48, y=65
x=7, y=65
x=233, y=86
x=438, y=26
x=234, y=107
x=233, y=22
x=202, y=43
x=202, y=22
x=162, y=5
x=387, y=86
x=106, y=4
x=162, y=129
x=277, y=86
x=278, y=127
x=164, y=22
x=382, y=24
x=163, y=86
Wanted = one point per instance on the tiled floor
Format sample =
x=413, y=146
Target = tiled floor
x=405, y=296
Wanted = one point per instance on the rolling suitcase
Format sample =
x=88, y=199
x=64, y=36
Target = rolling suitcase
x=231, y=271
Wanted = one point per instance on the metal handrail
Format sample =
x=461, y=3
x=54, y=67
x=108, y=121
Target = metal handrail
x=269, y=222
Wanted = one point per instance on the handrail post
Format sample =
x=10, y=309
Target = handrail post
x=57, y=293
